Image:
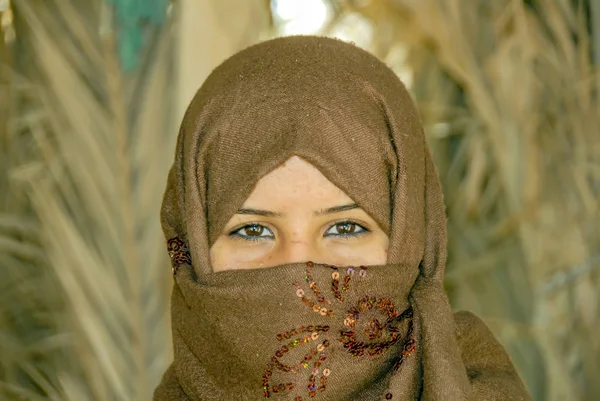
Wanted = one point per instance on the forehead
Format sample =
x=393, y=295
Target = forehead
x=296, y=182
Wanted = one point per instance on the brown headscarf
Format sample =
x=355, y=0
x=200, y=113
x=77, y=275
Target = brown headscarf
x=303, y=330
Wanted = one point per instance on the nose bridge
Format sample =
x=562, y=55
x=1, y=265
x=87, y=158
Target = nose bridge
x=300, y=250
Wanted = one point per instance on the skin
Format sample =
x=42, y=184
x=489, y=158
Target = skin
x=295, y=214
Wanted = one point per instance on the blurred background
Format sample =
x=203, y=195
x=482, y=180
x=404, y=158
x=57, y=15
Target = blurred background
x=91, y=95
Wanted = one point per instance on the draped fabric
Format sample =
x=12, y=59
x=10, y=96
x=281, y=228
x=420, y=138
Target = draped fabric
x=304, y=330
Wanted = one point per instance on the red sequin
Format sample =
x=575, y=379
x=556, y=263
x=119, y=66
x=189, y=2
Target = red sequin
x=179, y=254
x=371, y=338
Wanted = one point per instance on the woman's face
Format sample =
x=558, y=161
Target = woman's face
x=293, y=215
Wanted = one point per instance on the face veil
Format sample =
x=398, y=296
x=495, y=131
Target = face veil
x=303, y=331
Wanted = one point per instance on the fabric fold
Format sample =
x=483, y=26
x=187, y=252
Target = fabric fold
x=311, y=331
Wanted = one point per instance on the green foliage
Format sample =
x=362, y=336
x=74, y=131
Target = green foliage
x=131, y=18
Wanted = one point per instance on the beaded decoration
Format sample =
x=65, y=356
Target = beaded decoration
x=408, y=348
x=317, y=355
x=381, y=333
x=179, y=254
x=375, y=329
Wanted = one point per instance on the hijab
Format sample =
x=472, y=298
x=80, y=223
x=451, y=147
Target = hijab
x=304, y=330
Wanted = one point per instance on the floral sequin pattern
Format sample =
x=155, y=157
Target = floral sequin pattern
x=380, y=328
x=179, y=254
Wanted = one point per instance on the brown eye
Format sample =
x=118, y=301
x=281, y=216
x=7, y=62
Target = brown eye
x=254, y=230
x=345, y=229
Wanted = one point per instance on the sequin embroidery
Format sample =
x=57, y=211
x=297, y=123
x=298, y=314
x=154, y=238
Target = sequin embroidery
x=381, y=333
x=179, y=254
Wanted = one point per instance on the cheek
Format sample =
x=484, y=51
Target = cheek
x=229, y=254
x=362, y=252
x=218, y=257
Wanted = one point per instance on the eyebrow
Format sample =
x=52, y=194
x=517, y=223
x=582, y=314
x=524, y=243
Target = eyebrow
x=259, y=212
x=268, y=213
x=336, y=209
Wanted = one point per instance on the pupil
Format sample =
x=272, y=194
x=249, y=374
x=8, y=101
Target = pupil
x=345, y=228
x=254, y=230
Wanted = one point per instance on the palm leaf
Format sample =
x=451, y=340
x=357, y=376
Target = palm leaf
x=103, y=144
x=510, y=95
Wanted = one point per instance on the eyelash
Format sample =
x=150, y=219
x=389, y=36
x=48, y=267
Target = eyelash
x=236, y=232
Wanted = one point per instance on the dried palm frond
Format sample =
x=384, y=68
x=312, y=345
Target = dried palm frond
x=88, y=271
x=510, y=94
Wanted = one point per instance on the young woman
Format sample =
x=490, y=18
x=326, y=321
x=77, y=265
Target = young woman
x=306, y=227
